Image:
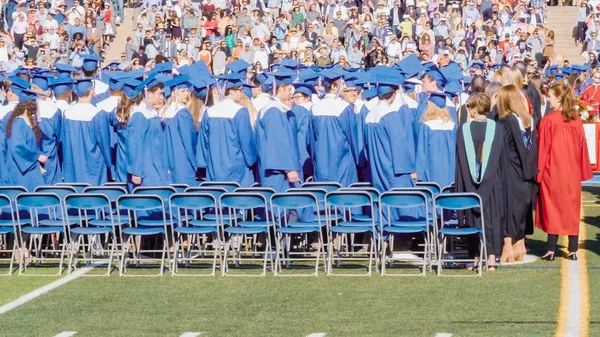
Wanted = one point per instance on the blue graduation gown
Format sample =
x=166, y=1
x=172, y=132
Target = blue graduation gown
x=360, y=113
x=302, y=121
x=109, y=105
x=51, y=125
x=226, y=144
x=391, y=149
x=22, y=165
x=120, y=149
x=436, y=152
x=146, y=149
x=333, y=141
x=277, y=145
x=181, y=144
x=86, y=145
x=5, y=112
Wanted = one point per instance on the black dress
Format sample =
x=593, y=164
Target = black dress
x=491, y=188
x=520, y=169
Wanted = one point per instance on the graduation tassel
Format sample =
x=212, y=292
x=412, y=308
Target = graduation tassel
x=206, y=96
x=274, y=88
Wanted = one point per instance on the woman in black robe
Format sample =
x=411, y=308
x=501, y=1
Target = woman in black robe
x=479, y=155
x=520, y=169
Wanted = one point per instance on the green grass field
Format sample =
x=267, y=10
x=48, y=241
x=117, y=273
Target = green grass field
x=514, y=301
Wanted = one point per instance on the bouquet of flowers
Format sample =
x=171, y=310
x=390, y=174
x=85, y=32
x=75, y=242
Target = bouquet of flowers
x=586, y=112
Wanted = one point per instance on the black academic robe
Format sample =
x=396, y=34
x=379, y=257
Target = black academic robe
x=491, y=188
x=520, y=170
x=536, y=103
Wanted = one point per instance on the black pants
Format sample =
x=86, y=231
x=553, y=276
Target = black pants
x=19, y=40
x=573, y=243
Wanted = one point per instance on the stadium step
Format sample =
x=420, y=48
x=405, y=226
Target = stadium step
x=118, y=45
x=563, y=21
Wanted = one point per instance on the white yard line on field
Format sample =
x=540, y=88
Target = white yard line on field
x=443, y=334
x=66, y=334
x=190, y=334
x=316, y=334
x=40, y=291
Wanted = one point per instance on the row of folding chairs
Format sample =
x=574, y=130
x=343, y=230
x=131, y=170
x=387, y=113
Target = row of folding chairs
x=221, y=224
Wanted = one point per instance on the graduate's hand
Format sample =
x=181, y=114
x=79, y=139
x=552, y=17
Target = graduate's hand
x=293, y=176
x=42, y=159
x=136, y=180
x=414, y=177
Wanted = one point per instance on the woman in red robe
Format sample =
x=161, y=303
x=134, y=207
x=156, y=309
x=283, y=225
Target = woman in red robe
x=563, y=163
x=591, y=94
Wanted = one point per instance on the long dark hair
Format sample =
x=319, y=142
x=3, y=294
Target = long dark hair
x=124, y=108
x=31, y=109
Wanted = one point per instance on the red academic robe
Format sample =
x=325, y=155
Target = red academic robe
x=563, y=163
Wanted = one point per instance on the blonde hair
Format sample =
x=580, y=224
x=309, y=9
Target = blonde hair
x=498, y=77
x=512, y=101
x=433, y=112
x=515, y=77
x=247, y=103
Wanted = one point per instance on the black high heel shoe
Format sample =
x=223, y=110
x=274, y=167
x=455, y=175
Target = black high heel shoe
x=572, y=256
x=548, y=257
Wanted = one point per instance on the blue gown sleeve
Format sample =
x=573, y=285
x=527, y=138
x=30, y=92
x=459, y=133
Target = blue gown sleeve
x=422, y=154
x=51, y=127
x=398, y=127
x=202, y=146
x=101, y=127
x=136, y=134
x=185, y=126
x=279, y=151
x=347, y=120
x=24, y=151
x=245, y=135
x=362, y=145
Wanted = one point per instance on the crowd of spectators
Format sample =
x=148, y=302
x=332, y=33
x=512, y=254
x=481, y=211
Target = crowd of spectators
x=43, y=33
x=352, y=33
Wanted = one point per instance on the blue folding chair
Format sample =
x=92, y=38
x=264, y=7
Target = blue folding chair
x=152, y=218
x=230, y=186
x=342, y=202
x=361, y=215
x=180, y=188
x=282, y=205
x=361, y=184
x=135, y=233
x=44, y=237
x=89, y=239
x=327, y=186
x=236, y=203
x=71, y=216
x=102, y=219
x=215, y=192
x=79, y=187
x=9, y=235
x=449, y=189
x=255, y=215
x=7, y=219
x=115, y=184
x=391, y=223
x=460, y=202
x=195, y=231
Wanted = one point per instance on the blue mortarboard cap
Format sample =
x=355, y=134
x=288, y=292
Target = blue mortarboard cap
x=438, y=98
x=477, y=64
x=164, y=67
x=114, y=65
x=18, y=84
x=551, y=70
x=567, y=70
x=453, y=88
x=368, y=94
x=41, y=80
x=179, y=82
x=304, y=88
x=64, y=70
x=82, y=85
x=290, y=64
x=284, y=76
x=138, y=74
x=201, y=85
x=452, y=72
x=230, y=81
x=91, y=61
x=579, y=68
x=60, y=85
x=26, y=95
x=329, y=76
x=238, y=67
x=410, y=65
x=387, y=83
x=437, y=75
x=265, y=80
x=559, y=76
x=131, y=87
x=408, y=87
